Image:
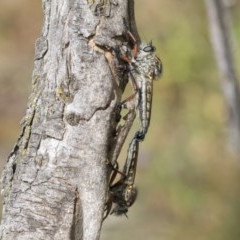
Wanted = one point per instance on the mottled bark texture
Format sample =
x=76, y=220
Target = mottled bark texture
x=54, y=184
x=221, y=35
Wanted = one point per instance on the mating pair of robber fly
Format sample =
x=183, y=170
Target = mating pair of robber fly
x=144, y=67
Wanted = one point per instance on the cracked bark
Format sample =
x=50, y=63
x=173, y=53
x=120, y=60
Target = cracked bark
x=54, y=183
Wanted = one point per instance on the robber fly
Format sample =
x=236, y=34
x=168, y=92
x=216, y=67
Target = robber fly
x=144, y=67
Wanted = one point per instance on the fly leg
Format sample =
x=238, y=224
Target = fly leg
x=136, y=46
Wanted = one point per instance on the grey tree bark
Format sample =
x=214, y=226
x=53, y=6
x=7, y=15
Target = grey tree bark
x=54, y=184
x=221, y=35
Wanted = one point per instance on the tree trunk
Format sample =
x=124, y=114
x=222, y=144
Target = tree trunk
x=55, y=182
x=220, y=29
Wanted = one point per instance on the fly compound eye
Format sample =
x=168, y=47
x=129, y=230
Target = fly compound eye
x=149, y=48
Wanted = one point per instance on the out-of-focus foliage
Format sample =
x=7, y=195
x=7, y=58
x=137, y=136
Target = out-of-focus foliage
x=188, y=180
x=20, y=25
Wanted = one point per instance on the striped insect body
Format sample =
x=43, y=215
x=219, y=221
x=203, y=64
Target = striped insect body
x=143, y=67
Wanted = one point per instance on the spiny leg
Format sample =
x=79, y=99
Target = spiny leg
x=136, y=46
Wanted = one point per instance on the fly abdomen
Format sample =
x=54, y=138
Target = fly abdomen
x=145, y=105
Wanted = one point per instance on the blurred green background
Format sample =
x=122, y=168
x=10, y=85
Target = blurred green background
x=187, y=178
